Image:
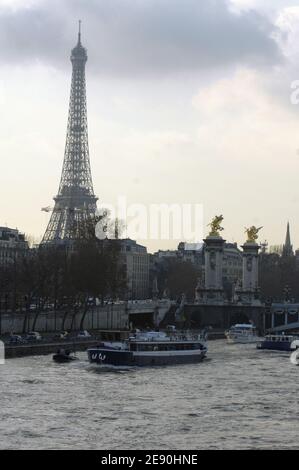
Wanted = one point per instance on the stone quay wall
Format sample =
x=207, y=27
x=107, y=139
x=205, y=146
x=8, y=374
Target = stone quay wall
x=109, y=317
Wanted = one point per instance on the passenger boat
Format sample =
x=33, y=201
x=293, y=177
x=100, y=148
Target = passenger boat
x=279, y=342
x=242, y=333
x=151, y=348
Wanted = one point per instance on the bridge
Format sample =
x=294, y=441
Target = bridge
x=282, y=317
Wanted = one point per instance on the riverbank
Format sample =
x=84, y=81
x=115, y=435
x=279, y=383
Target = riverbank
x=40, y=349
x=49, y=346
x=75, y=344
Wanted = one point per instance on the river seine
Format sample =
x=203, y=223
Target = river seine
x=238, y=398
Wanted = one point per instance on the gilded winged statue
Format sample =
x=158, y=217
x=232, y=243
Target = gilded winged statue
x=216, y=225
x=252, y=233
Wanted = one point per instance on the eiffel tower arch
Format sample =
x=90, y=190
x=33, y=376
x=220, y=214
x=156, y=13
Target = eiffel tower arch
x=75, y=203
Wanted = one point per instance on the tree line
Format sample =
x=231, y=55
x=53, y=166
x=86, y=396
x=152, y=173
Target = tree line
x=68, y=276
x=278, y=278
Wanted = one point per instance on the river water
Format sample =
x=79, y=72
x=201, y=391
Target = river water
x=239, y=398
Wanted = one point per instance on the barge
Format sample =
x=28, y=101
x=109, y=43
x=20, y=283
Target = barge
x=151, y=348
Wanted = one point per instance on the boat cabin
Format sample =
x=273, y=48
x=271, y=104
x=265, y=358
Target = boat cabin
x=279, y=338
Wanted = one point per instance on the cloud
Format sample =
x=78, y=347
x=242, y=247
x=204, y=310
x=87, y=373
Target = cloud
x=241, y=124
x=138, y=37
x=268, y=6
x=288, y=27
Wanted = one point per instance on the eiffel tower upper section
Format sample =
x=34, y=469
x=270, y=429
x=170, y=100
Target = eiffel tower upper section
x=75, y=203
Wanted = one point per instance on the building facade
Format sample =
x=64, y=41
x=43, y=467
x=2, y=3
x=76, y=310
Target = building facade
x=12, y=245
x=136, y=261
x=232, y=263
x=194, y=253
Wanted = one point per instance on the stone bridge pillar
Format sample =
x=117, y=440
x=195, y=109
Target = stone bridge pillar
x=213, y=287
x=250, y=281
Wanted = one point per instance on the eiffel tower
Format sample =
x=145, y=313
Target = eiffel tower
x=75, y=203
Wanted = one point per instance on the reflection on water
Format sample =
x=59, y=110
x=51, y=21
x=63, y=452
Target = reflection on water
x=239, y=398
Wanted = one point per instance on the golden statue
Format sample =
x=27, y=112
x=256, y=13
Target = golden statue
x=252, y=233
x=216, y=226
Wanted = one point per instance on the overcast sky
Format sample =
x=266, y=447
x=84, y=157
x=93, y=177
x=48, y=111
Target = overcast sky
x=188, y=102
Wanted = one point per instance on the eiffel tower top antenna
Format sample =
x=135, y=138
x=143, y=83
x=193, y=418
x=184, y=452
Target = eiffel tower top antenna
x=79, y=33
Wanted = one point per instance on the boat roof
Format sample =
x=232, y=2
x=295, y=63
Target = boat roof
x=162, y=337
x=279, y=335
x=166, y=341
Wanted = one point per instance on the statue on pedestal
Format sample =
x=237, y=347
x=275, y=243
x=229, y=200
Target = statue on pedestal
x=252, y=233
x=216, y=226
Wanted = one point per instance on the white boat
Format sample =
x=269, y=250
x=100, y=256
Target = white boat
x=150, y=348
x=242, y=333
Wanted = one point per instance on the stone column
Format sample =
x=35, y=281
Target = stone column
x=155, y=290
x=155, y=299
x=250, y=272
x=213, y=289
x=199, y=291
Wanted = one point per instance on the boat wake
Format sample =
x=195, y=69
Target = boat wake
x=101, y=368
x=97, y=368
x=85, y=364
x=295, y=357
